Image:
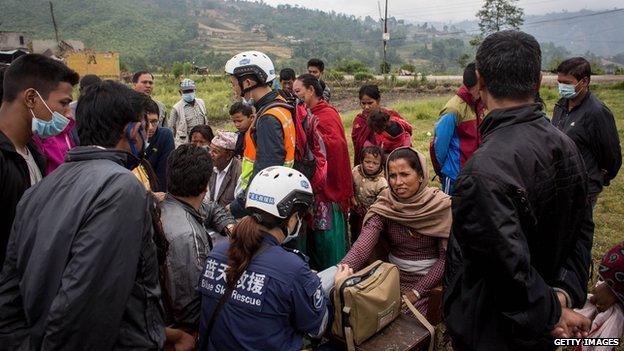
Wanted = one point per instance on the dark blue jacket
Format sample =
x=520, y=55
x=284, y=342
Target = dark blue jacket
x=277, y=300
x=160, y=145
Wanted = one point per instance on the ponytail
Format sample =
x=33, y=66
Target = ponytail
x=246, y=240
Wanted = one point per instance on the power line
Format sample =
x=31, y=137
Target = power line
x=460, y=8
x=574, y=17
x=476, y=31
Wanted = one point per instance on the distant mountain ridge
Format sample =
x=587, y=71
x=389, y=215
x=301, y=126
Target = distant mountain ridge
x=159, y=32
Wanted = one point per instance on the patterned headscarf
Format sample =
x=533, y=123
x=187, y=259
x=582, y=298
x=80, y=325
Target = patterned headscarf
x=612, y=270
x=225, y=140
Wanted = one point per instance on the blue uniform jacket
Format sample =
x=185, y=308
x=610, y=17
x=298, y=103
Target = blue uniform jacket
x=277, y=300
x=157, y=152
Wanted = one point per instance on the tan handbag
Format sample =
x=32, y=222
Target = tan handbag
x=365, y=302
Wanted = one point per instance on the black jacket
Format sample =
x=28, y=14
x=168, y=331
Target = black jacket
x=522, y=226
x=81, y=270
x=592, y=127
x=160, y=146
x=14, y=180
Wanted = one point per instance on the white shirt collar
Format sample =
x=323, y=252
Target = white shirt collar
x=225, y=170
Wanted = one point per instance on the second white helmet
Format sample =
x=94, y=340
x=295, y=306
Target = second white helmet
x=251, y=62
x=277, y=190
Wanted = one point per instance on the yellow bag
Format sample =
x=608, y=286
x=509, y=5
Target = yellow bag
x=365, y=302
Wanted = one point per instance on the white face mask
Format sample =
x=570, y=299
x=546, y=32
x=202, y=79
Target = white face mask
x=295, y=233
x=248, y=102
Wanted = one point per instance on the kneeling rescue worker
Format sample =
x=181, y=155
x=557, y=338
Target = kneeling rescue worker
x=257, y=295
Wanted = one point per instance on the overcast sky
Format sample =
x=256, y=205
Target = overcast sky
x=443, y=10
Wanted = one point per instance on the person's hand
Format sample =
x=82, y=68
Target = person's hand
x=160, y=197
x=354, y=203
x=342, y=272
x=571, y=325
x=229, y=230
x=178, y=340
x=603, y=297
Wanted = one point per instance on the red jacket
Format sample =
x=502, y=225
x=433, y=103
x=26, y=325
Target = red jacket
x=389, y=143
x=339, y=187
x=363, y=136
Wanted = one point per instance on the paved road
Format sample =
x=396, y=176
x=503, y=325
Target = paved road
x=548, y=79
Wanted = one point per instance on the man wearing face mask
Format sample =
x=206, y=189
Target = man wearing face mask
x=589, y=122
x=81, y=271
x=37, y=93
x=518, y=260
x=270, y=141
x=187, y=113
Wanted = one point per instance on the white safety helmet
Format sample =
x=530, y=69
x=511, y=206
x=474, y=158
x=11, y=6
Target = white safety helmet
x=277, y=190
x=251, y=62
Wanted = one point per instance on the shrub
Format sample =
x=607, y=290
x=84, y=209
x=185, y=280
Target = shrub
x=363, y=76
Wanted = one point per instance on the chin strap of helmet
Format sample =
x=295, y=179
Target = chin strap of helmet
x=245, y=90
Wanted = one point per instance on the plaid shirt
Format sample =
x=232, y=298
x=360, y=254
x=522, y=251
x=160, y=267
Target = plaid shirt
x=193, y=116
x=404, y=244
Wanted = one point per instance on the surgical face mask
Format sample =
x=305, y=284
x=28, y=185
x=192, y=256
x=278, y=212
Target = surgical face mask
x=295, y=233
x=248, y=102
x=568, y=91
x=137, y=154
x=46, y=129
x=188, y=97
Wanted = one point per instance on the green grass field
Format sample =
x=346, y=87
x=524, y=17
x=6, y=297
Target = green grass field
x=422, y=113
x=215, y=91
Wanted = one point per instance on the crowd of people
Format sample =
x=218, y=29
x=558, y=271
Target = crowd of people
x=127, y=227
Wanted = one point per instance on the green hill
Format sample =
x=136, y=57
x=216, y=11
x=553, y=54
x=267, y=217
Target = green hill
x=156, y=33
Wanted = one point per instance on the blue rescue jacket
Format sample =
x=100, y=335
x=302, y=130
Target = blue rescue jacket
x=277, y=300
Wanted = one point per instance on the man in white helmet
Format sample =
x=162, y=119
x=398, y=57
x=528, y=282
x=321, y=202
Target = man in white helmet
x=270, y=141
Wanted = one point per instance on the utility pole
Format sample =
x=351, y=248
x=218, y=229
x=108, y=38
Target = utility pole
x=386, y=37
x=54, y=23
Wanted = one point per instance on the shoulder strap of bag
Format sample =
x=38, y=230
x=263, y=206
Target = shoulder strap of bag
x=228, y=292
x=422, y=320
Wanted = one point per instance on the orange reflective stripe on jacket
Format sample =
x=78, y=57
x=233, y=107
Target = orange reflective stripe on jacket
x=284, y=116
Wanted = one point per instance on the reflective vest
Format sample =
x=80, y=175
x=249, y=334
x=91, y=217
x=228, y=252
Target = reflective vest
x=284, y=116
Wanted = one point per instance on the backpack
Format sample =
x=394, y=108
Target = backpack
x=310, y=151
x=365, y=302
x=437, y=168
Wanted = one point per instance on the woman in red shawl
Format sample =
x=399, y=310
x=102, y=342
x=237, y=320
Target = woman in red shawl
x=361, y=134
x=327, y=245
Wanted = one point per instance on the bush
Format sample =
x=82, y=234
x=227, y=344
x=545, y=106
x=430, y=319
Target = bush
x=334, y=75
x=385, y=68
x=177, y=69
x=409, y=68
x=363, y=76
x=351, y=66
